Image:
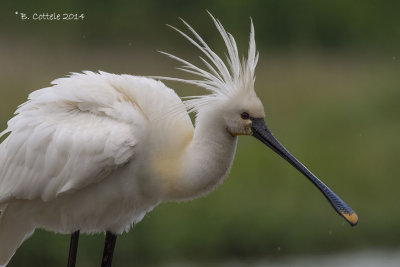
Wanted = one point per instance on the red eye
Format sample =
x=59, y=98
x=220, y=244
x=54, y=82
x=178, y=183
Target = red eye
x=245, y=115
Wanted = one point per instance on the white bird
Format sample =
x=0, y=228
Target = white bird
x=95, y=152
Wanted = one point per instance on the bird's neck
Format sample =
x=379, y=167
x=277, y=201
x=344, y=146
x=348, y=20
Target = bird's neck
x=207, y=159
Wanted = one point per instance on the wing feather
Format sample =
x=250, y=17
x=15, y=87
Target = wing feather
x=74, y=133
x=47, y=160
x=60, y=143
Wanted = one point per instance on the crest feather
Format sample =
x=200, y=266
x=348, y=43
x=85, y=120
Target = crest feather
x=220, y=79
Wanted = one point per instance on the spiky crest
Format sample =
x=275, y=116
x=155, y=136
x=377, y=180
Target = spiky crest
x=220, y=79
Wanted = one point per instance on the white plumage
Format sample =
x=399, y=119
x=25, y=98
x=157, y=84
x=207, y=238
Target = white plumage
x=96, y=151
x=79, y=152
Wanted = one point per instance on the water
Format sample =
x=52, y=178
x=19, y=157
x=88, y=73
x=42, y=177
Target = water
x=366, y=258
x=369, y=258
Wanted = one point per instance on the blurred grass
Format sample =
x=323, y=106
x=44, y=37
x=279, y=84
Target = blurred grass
x=284, y=23
x=337, y=113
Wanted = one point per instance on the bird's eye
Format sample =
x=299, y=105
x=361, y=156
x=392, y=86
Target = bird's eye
x=245, y=116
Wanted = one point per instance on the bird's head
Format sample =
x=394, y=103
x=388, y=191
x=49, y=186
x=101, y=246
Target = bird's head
x=233, y=98
x=237, y=113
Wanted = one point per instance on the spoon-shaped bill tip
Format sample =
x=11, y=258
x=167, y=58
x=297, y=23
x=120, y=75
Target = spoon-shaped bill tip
x=352, y=218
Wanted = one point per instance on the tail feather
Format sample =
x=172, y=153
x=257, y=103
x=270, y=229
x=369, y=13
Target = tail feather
x=13, y=231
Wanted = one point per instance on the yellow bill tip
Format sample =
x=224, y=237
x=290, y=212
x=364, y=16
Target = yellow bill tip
x=351, y=218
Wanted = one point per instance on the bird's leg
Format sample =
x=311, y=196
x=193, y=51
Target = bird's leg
x=73, y=249
x=108, y=249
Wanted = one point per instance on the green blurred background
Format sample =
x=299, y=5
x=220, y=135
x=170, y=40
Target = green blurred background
x=329, y=79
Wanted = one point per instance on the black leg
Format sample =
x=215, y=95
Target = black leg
x=108, y=249
x=73, y=249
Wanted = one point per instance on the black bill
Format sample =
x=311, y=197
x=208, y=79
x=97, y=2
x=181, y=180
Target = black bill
x=262, y=133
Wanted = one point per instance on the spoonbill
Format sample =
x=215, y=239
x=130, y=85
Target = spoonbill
x=95, y=152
